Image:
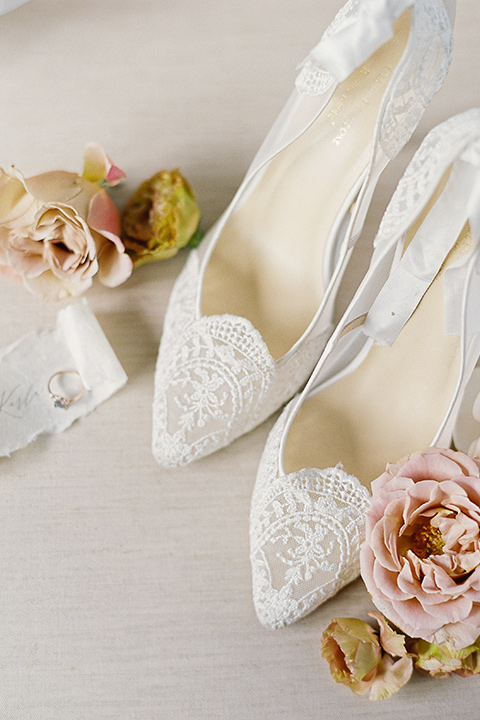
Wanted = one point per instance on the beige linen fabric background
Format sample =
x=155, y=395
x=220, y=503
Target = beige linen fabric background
x=125, y=588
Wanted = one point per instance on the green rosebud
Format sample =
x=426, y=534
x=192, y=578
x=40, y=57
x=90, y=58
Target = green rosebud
x=161, y=217
x=440, y=661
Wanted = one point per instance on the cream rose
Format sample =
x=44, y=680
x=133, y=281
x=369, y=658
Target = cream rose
x=421, y=557
x=58, y=229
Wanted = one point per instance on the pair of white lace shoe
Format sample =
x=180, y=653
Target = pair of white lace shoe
x=250, y=324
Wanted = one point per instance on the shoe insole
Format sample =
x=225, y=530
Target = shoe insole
x=267, y=263
x=392, y=404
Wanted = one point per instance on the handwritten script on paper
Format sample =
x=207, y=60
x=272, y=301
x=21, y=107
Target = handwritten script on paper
x=77, y=341
x=14, y=402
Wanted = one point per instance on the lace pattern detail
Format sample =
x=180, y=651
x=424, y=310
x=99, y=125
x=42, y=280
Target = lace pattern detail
x=215, y=378
x=416, y=79
x=420, y=76
x=437, y=151
x=306, y=530
x=312, y=78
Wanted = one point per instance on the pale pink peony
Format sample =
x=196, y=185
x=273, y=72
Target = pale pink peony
x=58, y=229
x=421, y=557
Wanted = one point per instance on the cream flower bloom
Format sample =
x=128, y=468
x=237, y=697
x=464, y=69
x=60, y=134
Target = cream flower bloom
x=58, y=229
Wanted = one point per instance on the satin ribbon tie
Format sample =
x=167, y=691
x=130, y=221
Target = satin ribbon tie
x=345, y=47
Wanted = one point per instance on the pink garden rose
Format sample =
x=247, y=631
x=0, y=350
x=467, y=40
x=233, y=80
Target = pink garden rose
x=58, y=229
x=421, y=558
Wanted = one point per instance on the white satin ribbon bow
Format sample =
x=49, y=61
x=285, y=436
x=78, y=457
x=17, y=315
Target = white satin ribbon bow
x=358, y=37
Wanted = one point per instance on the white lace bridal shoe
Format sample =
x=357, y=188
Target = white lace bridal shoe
x=400, y=368
x=250, y=314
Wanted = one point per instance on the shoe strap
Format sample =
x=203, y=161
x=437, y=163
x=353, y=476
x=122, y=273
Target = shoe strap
x=358, y=30
x=422, y=260
x=461, y=420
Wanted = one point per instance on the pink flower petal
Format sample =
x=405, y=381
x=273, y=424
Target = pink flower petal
x=472, y=489
x=387, y=580
x=459, y=635
x=379, y=483
x=27, y=261
x=407, y=582
x=104, y=218
x=98, y=167
x=412, y=617
x=115, y=175
x=114, y=266
x=392, y=642
x=382, y=554
x=391, y=676
x=435, y=464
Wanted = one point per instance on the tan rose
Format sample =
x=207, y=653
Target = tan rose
x=58, y=229
x=366, y=660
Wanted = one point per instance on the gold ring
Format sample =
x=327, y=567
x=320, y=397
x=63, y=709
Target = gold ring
x=71, y=385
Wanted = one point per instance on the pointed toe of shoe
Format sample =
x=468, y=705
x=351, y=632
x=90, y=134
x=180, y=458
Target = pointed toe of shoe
x=210, y=388
x=216, y=378
x=306, y=530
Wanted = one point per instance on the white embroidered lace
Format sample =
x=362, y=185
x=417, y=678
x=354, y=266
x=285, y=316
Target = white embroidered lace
x=306, y=529
x=441, y=144
x=312, y=78
x=215, y=378
x=420, y=77
x=416, y=80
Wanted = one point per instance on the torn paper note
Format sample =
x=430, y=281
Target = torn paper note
x=77, y=343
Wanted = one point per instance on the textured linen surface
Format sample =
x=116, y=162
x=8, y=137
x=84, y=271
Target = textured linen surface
x=126, y=589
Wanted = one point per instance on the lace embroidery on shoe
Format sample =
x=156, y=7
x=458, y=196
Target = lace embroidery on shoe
x=312, y=78
x=420, y=77
x=213, y=385
x=441, y=145
x=215, y=377
x=305, y=535
x=417, y=79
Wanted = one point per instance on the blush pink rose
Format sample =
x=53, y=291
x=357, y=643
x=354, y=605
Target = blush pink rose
x=59, y=229
x=421, y=557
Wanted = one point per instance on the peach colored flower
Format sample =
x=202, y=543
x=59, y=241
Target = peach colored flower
x=58, y=229
x=421, y=557
x=363, y=659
